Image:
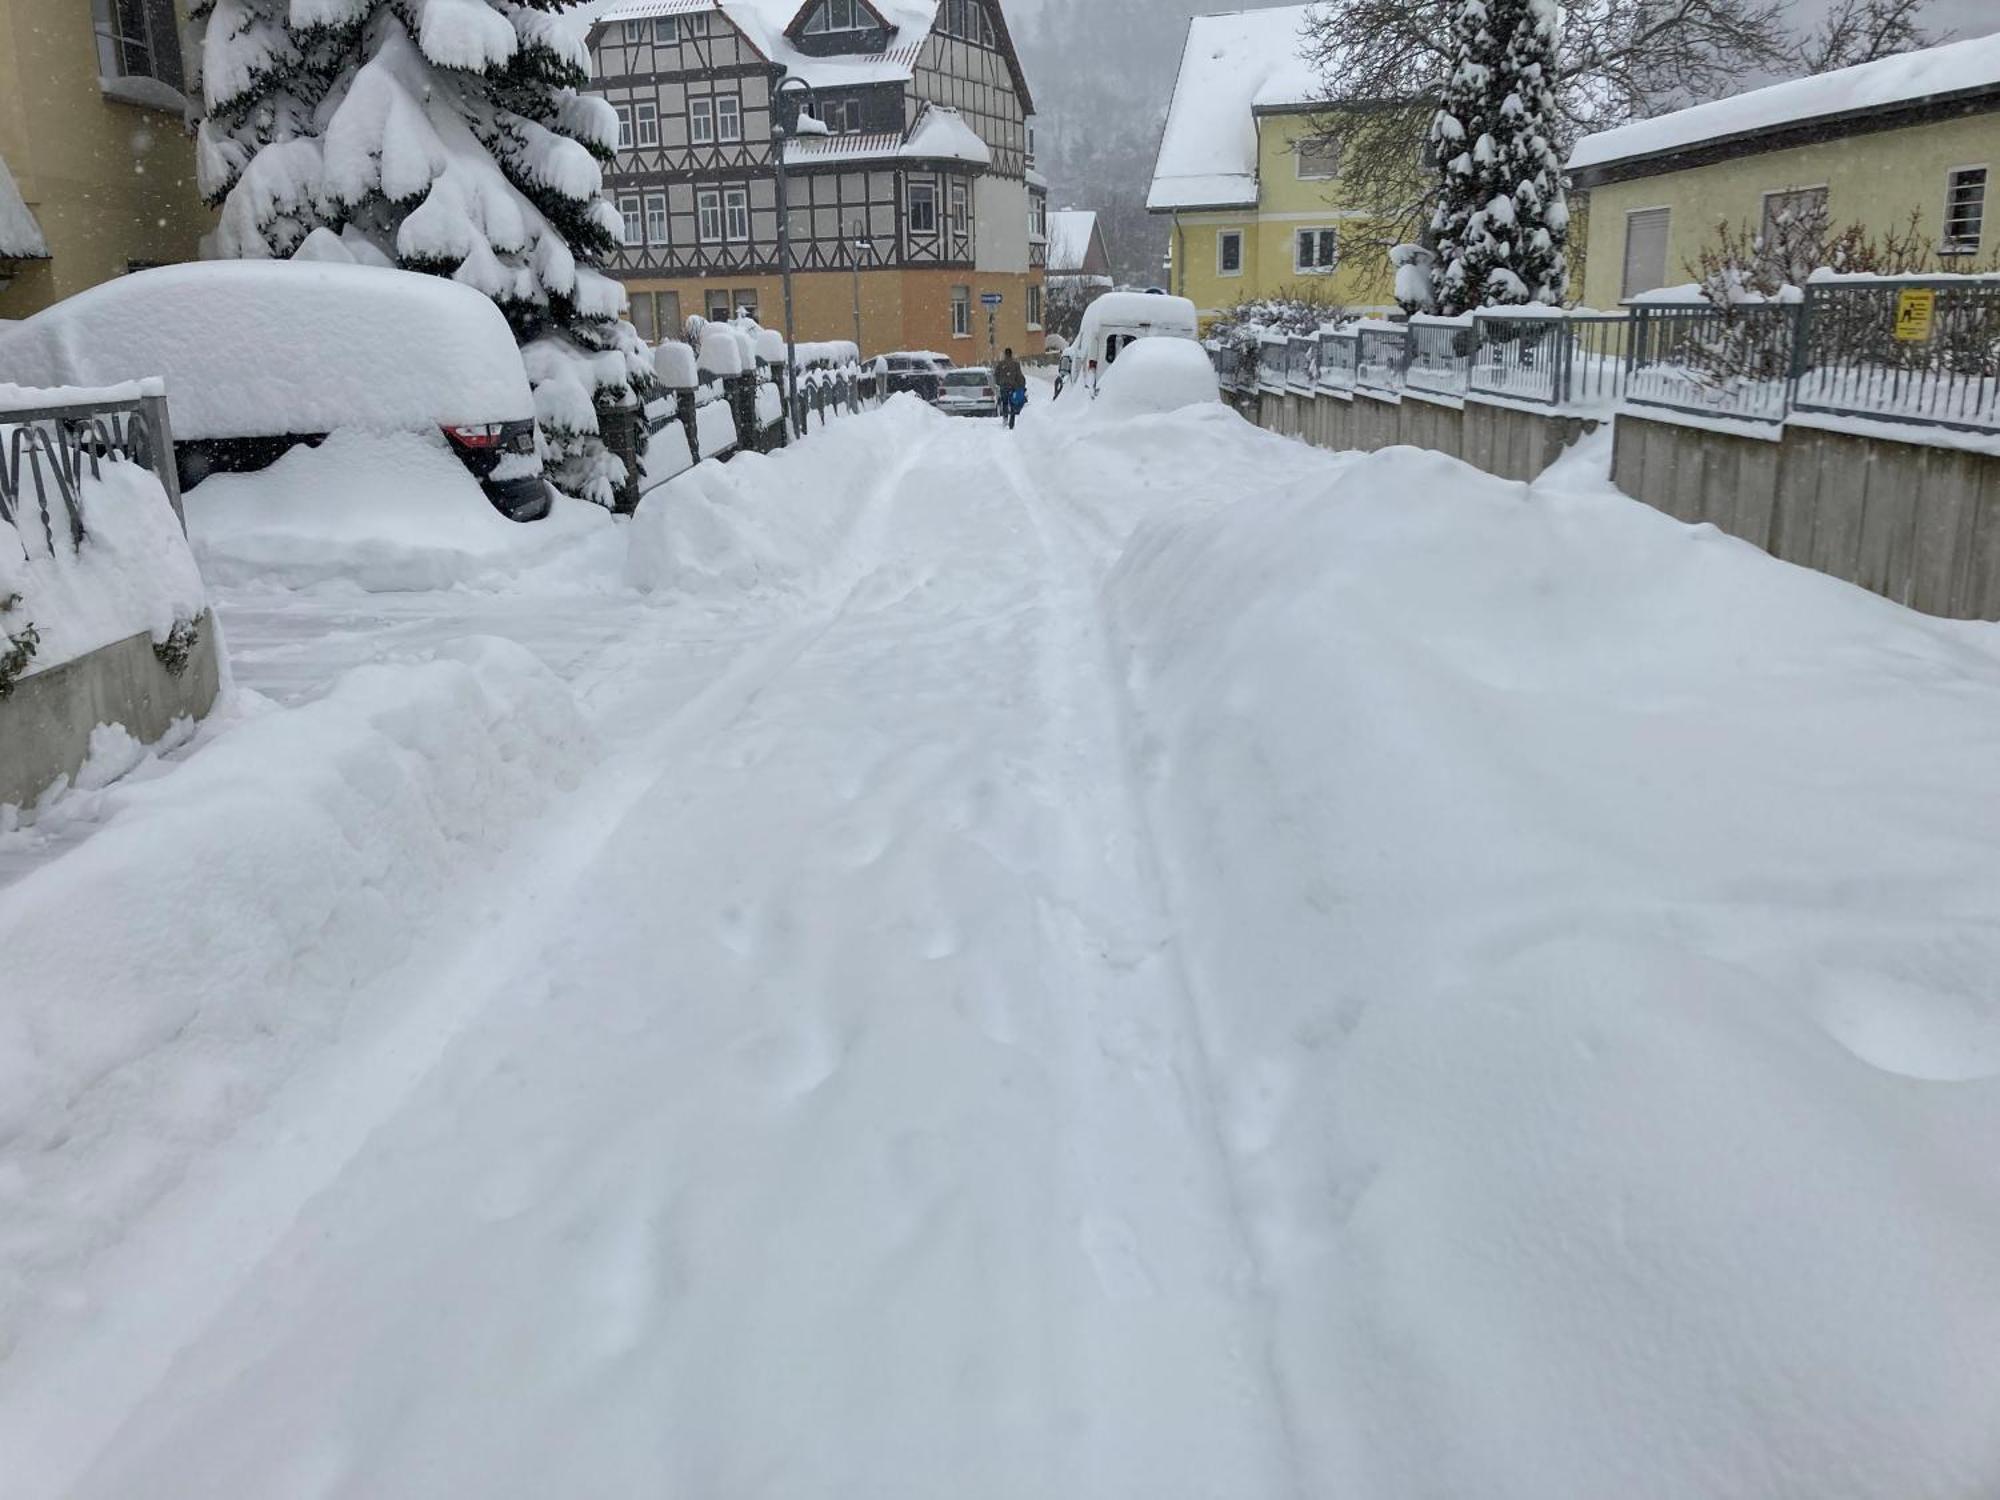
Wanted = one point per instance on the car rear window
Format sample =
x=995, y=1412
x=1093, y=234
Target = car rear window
x=967, y=377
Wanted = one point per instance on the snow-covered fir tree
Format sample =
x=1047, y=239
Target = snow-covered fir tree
x=444, y=136
x=1502, y=218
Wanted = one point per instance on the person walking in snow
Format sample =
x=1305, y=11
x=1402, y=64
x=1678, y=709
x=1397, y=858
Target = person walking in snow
x=1013, y=383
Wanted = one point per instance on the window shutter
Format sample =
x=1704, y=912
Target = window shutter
x=1645, y=250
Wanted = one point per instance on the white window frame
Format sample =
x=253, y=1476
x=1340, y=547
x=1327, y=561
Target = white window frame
x=1947, y=245
x=961, y=312
x=728, y=307
x=701, y=121
x=624, y=114
x=1035, y=305
x=1300, y=156
x=666, y=31
x=728, y=118
x=635, y=33
x=656, y=218
x=735, y=210
x=631, y=213
x=1625, y=288
x=645, y=123
x=1299, y=267
x=708, y=215
x=929, y=190
x=960, y=199
x=138, y=39
x=1221, y=236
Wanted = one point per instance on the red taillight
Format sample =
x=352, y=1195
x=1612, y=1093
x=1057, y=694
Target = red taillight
x=477, y=435
x=987, y=390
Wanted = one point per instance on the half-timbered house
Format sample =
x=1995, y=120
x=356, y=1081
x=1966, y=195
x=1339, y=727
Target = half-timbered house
x=915, y=208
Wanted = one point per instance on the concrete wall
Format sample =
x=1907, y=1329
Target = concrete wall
x=1914, y=523
x=1503, y=440
x=45, y=722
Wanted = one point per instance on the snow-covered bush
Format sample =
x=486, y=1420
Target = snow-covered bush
x=1294, y=312
x=1740, y=264
x=1501, y=224
x=445, y=136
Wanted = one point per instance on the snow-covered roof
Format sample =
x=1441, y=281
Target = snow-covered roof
x=1070, y=232
x=20, y=236
x=940, y=134
x=1233, y=66
x=1962, y=69
x=764, y=24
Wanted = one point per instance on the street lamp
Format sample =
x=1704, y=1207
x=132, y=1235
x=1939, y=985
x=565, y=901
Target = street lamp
x=856, y=243
x=788, y=101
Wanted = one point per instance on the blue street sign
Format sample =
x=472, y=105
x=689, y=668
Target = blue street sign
x=991, y=299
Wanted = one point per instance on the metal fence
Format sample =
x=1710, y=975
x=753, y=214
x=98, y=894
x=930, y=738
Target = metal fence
x=1380, y=360
x=1713, y=361
x=1440, y=357
x=1576, y=361
x=1339, y=357
x=1848, y=349
x=1860, y=355
x=48, y=452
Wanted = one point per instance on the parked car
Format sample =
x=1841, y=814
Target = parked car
x=262, y=356
x=916, y=371
x=969, y=392
x=1113, y=322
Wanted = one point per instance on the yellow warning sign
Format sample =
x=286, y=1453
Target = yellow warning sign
x=1914, y=308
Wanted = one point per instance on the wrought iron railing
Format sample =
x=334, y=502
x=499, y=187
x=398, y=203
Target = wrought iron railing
x=47, y=453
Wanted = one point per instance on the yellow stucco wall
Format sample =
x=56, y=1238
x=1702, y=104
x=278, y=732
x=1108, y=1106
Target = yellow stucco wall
x=1877, y=180
x=1286, y=204
x=109, y=182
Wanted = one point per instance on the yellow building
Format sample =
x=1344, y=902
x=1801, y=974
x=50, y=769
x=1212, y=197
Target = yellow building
x=94, y=146
x=1249, y=174
x=1916, y=135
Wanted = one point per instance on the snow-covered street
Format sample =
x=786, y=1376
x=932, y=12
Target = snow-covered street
x=1131, y=958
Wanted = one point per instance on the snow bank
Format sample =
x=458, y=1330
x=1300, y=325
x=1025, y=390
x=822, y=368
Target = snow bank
x=1591, y=921
x=261, y=348
x=780, y=523
x=382, y=512
x=132, y=572
x=164, y=974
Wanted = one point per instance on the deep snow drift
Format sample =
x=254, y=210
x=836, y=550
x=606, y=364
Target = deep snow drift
x=1128, y=958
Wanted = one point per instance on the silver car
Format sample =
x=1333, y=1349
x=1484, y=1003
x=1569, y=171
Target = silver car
x=969, y=392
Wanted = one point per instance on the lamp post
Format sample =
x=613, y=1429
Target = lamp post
x=855, y=244
x=788, y=101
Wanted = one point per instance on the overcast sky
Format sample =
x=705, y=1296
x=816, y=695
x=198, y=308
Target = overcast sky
x=1962, y=17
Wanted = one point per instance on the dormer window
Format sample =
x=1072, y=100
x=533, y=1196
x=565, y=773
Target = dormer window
x=839, y=15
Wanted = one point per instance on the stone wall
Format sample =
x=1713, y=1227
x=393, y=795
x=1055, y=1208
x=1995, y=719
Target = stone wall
x=1512, y=442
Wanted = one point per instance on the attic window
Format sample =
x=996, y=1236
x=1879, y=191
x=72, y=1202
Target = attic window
x=839, y=15
x=1319, y=159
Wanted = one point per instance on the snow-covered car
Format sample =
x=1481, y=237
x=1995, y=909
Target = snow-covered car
x=916, y=371
x=261, y=356
x=1114, y=321
x=968, y=392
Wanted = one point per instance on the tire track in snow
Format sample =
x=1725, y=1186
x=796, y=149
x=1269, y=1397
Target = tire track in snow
x=1103, y=693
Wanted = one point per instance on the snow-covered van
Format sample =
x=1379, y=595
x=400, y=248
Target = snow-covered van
x=1115, y=320
x=260, y=356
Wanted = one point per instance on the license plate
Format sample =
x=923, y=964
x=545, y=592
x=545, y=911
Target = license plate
x=525, y=443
